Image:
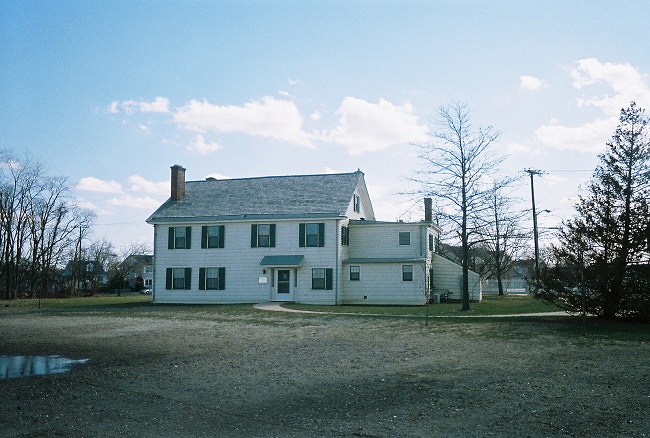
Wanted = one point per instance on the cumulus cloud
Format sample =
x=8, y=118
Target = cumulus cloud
x=518, y=148
x=627, y=84
x=626, y=81
x=92, y=184
x=371, y=127
x=144, y=128
x=158, y=105
x=199, y=145
x=277, y=119
x=140, y=184
x=144, y=202
x=531, y=83
x=588, y=137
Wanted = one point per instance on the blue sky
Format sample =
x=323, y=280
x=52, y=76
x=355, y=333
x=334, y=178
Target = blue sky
x=111, y=94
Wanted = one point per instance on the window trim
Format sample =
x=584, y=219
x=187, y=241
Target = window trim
x=172, y=238
x=355, y=276
x=327, y=280
x=169, y=278
x=404, y=234
x=302, y=235
x=407, y=272
x=205, y=236
x=221, y=278
x=255, y=242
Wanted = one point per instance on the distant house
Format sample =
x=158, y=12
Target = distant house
x=139, y=266
x=84, y=274
x=307, y=238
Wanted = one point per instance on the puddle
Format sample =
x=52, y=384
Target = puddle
x=12, y=367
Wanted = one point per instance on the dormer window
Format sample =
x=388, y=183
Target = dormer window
x=356, y=203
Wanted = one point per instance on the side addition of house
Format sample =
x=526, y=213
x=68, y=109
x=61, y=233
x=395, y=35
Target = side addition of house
x=309, y=239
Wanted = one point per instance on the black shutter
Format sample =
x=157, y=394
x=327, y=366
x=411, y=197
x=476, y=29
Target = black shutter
x=169, y=278
x=204, y=237
x=253, y=236
x=344, y=235
x=170, y=239
x=431, y=242
x=301, y=235
x=188, y=278
x=222, y=235
x=272, y=236
x=321, y=234
x=328, y=278
x=222, y=278
x=188, y=237
x=201, y=278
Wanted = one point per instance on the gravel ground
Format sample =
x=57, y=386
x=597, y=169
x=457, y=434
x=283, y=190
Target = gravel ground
x=175, y=372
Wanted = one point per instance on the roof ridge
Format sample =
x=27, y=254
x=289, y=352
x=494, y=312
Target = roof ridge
x=276, y=176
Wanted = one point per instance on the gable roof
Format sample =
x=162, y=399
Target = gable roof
x=297, y=196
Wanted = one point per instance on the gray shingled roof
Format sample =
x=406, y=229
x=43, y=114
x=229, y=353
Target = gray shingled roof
x=275, y=196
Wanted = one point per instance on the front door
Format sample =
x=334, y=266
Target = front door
x=283, y=285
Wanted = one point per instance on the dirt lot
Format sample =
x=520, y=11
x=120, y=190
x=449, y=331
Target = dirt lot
x=175, y=371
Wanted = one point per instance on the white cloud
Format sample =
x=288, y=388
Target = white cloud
x=315, y=116
x=369, y=127
x=140, y=184
x=277, y=119
x=625, y=80
x=517, y=148
x=144, y=128
x=329, y=170
x=531, y=83
x=588, y=137
x=145, y=202
x=218, y=176
x=158, y=105
x=627, y=84
x=92, y=184
x=199, y=145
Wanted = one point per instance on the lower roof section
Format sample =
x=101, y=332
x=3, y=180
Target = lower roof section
x=384, y=260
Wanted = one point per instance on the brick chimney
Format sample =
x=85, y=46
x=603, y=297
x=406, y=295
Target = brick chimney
x=178, y=182
x=428, y=215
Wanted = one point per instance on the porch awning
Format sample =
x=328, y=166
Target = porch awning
x=282, y=260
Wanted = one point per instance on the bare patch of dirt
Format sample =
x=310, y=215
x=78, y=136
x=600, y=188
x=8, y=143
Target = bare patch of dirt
x=183, y=373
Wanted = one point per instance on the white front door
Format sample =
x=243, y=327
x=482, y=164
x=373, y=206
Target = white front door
x=283, y=290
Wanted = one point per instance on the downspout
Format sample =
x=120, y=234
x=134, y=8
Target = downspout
x=337, y=243
x=153, y=284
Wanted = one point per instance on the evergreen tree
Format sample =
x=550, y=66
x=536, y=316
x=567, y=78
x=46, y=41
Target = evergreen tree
x=603, y=248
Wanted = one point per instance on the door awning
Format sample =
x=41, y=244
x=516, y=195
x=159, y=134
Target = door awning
x=282, y=260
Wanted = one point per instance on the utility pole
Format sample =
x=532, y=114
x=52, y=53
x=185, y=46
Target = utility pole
x=532, y=173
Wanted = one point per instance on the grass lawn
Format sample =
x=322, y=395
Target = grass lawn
x=491, y=305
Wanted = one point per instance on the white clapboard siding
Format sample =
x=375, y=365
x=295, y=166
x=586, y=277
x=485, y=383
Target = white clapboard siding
x=448, y=278
x=242, y=263
x=382, y=283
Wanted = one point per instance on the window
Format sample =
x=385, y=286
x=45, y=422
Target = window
x=213, y=236
x=355, y=273
x=345, y=235
x=262, y=235
x=212, y=278
x=321, y=278
x=311, y=235
x=356, y=203
x=431, y=245
x=180, y=238
x=407, y=272
x=404, y=238
x=178, y=278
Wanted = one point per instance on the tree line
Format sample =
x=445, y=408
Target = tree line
x=41, y=229
x=600, y=263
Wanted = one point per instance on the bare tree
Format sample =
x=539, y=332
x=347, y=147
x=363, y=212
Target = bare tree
x=503, y=234
x=456, y=164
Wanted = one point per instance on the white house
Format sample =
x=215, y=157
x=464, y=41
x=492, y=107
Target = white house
x=307, y=238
